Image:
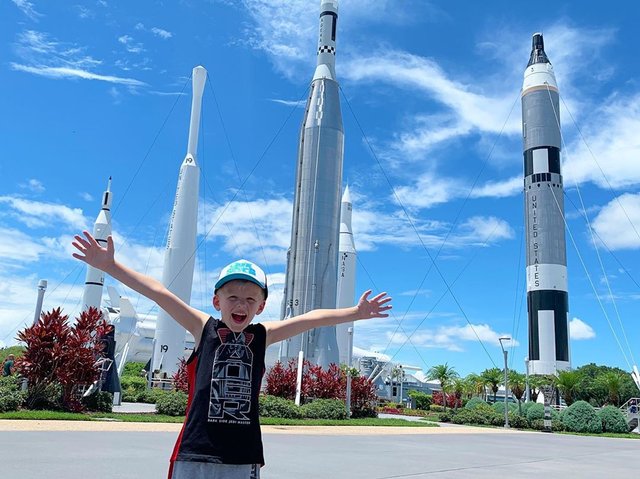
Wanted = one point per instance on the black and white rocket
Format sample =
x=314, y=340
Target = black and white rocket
x=94, y=280
x=312, y=262
x=547, y=293
x=179, y=258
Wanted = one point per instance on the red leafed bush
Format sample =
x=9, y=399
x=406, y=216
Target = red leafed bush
x=452, y=400
x=57, y=353
x=181, y=378
x=281, y=381
x=322, y=384
x=318, y=383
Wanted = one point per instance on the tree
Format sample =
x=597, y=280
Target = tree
x=445, y=374
x=567, y=383
x=493, y=378
x=459, y=387
x=613, y=382
x=57, y=353
x=517, y=384
x=476, y=385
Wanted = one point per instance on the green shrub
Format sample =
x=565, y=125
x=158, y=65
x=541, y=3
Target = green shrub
x=151, y=396
x=536, y=411
x=324, y=409
x=132, y=369
x=525, y=407
x=538, y=425
x=499, y=407
x=612, y=420
x=129, y=396
x=48, y=396
x=423, y=400
x=517, y=421
x=133, y=384
x=273, y=406
x=172, y=403
x=100, y=401
x=481, y=414
x=581, y=417
x=445, y=416
x=11, y=397
x=436, y=408
x=473, y=403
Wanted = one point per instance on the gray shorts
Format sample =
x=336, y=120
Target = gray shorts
x=208, y=470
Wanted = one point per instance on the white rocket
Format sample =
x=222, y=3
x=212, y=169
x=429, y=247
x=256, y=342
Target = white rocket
x=94, y=281
x=346, y=275
x=179, y=259
x=312, y=261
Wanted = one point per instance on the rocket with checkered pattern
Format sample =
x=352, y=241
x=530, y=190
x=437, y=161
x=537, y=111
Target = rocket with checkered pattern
x=312, y=262
x=547, y=287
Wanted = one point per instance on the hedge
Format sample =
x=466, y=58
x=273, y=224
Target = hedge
x=172, y=403
x=581, y=417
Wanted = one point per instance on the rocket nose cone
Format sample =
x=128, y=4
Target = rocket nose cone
x=537, y=42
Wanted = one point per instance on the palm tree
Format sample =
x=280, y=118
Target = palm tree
x=459, y=388
x=493, y=378
x=517, y=384
x=567, y=383
x=445, y=374
x=613, y=382
x=476, y=384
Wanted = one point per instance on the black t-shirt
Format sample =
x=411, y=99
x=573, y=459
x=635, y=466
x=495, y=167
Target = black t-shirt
x=225, y=374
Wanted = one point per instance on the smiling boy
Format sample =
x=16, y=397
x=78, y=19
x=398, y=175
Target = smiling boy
x=221, y=435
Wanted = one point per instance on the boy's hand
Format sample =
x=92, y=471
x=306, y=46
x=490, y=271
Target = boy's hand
x=92, y=253
x=374, y=307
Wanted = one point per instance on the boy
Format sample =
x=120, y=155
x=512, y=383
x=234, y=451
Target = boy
x=221, y=435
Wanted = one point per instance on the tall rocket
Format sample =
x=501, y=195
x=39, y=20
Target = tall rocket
x=94, y=281
x=312, y=261
x=179, y=258
x=547, y=296
x=346, y=275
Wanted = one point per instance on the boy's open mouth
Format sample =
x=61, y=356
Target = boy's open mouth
x=238, y=318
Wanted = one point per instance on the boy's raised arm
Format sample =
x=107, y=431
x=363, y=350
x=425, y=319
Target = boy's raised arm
x=103, y=258
x=365, y=309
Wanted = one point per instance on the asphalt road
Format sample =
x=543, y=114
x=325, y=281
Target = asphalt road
x=144, y=455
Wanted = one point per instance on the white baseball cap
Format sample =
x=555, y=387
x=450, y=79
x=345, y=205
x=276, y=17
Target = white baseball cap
x=245, y=270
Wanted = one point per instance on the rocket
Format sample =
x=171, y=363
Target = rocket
x=346, y=275
x=546, y=271
x=94, y=280
x=312, y=261
x=179, y=258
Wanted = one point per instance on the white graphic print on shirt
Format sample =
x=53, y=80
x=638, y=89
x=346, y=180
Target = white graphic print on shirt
x=230, y=398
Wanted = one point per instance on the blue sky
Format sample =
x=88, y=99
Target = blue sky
x=431, y=114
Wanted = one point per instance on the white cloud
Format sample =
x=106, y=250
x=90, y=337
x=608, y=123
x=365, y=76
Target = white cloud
x=578, y=329
x=37, y=214
x=499, y=189
x=84, y=12
x=33, y=185
x=618, y=222
x=451, y=338
x=259, y=230
x=65, y=73
x=86, y=196
x=28, y=9
x=130, y=45
x=16, y=247
x=159, y=32
x=47, y=57
x=609, y=158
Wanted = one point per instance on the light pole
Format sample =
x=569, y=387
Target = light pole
x=506, y=380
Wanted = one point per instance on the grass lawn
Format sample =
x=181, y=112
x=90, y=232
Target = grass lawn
x=67, y=416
